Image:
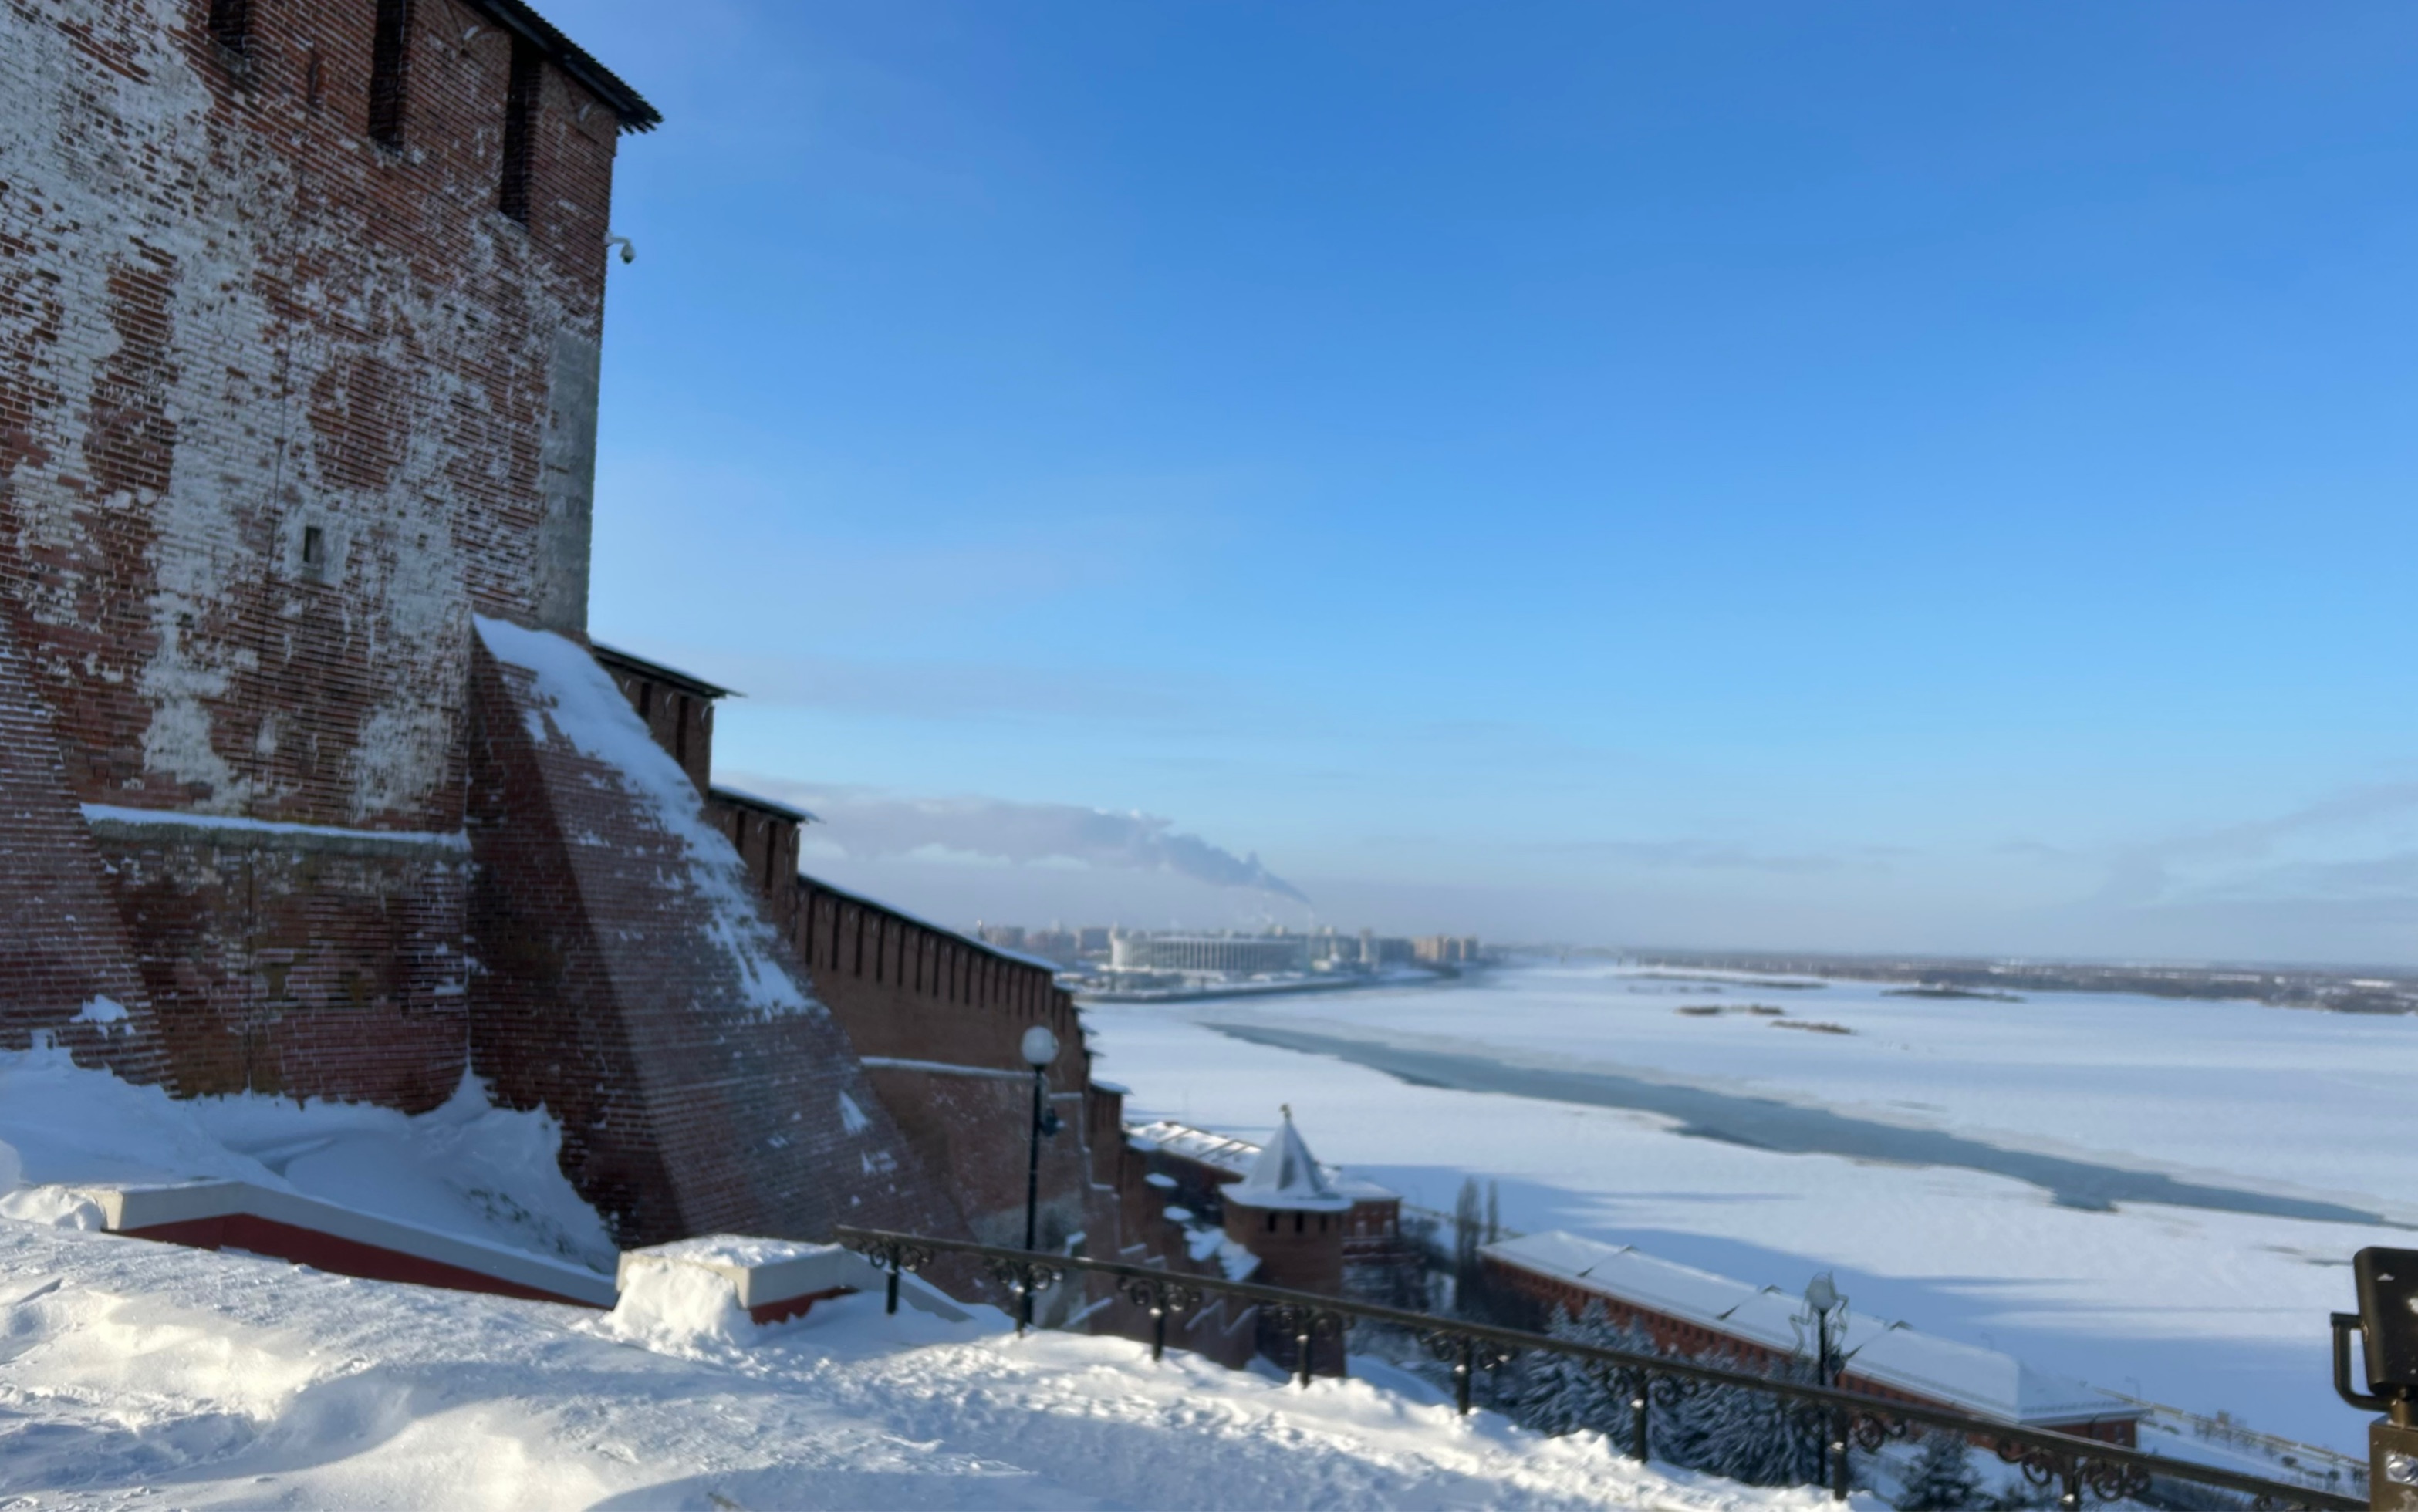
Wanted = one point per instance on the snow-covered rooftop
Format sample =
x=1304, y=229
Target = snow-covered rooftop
x=1237, y=1157
x=1287, y=1177
x=1965, y=1376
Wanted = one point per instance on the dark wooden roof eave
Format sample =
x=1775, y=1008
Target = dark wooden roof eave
x=629, y=106
x=612, y=657
x=741, y=797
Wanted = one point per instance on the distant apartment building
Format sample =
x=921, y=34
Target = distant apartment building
x=1445, y=949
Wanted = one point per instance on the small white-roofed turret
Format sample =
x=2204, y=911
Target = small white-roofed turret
x=1287, y=1177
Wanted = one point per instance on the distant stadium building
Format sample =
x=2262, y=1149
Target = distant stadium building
x=1221, y=955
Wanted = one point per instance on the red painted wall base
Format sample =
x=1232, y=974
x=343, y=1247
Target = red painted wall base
x=341, y=1257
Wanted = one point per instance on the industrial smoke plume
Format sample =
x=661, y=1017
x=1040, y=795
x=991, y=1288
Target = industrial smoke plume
x=866, y=822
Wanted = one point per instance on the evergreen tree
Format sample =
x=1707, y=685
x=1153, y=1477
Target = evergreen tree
x=1942, y=1478
x=1750, y=1436
x=1562, y=1393
x=1676, y=1427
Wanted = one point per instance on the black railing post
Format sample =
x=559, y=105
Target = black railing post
x=1463, y=1370
x=1158, y=1297
x=1301, y=1347
x=895, y=1256
x=1637, y=1408
x=1838, y=1454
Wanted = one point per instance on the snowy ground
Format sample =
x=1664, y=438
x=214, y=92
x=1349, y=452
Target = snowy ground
x=466, y=1167
x=2208, y=1299
x=139, y=1375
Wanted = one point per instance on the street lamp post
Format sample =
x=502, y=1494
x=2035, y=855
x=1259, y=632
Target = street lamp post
x=1822, y=1296
x=1039, y=1048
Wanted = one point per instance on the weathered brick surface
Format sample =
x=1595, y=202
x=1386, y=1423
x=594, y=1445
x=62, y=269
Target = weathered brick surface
x=228, y=318
x=909, y=992
x=609, y=990
x=279, y=408
x=325, y=965
x=61, y=943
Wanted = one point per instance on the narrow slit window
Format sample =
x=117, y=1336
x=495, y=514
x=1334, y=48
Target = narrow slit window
x=390, y=52
x=520, y=136
x=314, y=551
x=231, y=24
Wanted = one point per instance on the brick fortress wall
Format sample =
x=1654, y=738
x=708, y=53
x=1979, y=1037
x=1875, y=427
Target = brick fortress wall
x=936, y=1018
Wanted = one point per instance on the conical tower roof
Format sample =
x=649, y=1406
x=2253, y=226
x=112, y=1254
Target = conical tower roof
x=1287, y=1177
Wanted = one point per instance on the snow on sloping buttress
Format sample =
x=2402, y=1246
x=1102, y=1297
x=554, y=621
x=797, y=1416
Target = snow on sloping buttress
x=140, y=1376
x=629, y=980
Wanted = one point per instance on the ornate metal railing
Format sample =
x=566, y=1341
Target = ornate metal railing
x=2073, y=1465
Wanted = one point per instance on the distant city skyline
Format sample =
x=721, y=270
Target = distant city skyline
x=1869, y=479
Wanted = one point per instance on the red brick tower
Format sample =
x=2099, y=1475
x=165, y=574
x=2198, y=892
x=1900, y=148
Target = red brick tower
x=1286, y=1213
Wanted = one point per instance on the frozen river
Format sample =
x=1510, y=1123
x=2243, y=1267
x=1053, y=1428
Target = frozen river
x=2159, y=1197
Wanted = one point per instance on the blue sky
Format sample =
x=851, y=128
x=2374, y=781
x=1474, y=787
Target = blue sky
x=1861, y=477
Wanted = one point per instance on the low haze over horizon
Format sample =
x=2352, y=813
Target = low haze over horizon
x=1879, y=478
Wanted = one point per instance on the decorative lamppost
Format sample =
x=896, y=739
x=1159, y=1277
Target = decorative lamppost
x=1822, y=1296
x=1039, y=1048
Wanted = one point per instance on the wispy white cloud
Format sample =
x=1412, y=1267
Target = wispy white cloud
x=2358, y=842
x=870, y=823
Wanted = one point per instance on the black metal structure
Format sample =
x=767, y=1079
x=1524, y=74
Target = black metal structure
x=2387, y=1323
x=2076, y=1466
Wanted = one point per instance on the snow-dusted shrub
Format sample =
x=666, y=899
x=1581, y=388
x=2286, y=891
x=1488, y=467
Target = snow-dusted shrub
x=1942, y=1477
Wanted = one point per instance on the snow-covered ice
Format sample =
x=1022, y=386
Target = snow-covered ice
x=140, y=1375
x=2204, y=1308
